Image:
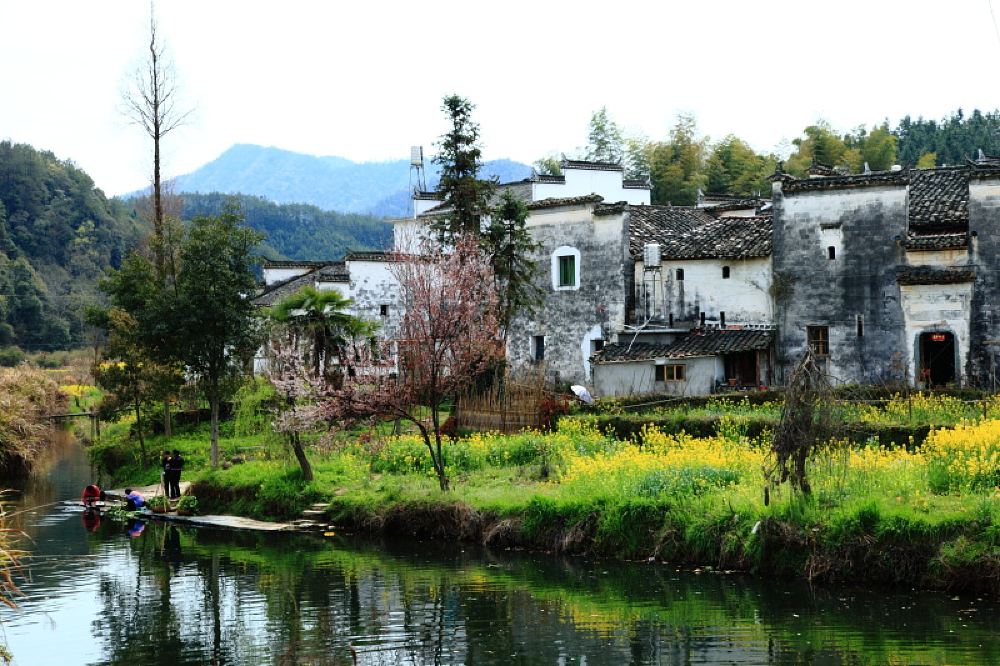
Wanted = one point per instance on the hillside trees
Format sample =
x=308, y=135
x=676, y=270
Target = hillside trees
x=605, y=142
x=58, y=233
x=733, y=167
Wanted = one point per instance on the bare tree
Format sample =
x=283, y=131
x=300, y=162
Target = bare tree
x=151, y=102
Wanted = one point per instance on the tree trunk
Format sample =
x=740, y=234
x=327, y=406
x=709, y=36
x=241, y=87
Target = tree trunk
x=300, y=455
x=167, y=430
x=215, y=431
x=138, y=430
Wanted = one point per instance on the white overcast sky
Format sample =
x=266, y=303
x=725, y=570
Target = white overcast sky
x=364, y=80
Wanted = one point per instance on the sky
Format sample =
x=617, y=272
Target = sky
x=364, y=80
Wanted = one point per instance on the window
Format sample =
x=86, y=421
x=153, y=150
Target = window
x=669, y=373
x=861, y=326
x=831, y=252
x=596, y=346
x=383, y=310
x=725, y=272
x=567, y=271
x=565, y=268
x=819, y=339
x=680, y=274
x=538, y=348
x=722, y=319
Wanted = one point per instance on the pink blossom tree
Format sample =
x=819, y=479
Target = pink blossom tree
x=448, y=336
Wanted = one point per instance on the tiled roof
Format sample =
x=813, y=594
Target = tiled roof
x=735, y=204
x=947, y=241
x=657, y=224
x=553, y=202
x=548, y=178
x=700, y=342
x=335, y=272
x=280, y=263
x=375, y=255
x=636, y=184
x=428, y=196
x=874, y=179
x=939, y=198
x=935, y=275
x=591, y=166
x=690, y=233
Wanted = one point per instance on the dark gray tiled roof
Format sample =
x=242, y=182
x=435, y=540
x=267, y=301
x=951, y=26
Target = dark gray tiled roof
x=372, y=255
x=874, y=179
x=700, y=342
x=657, y=224
x=428, y=196
x=939, y=198
x=565, y=201
x=935, y=275
x=327, y=272
x=636, y=184
x=281, y=263
x=591, y=166
x=690, y=233
x=548, y=178
x=946, y=241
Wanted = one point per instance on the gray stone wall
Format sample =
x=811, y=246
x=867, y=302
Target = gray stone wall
x=569, y=319
x=984, y=222
x=866, y=225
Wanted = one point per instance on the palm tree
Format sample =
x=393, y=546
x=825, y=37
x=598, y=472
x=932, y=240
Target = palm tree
x=319, y=316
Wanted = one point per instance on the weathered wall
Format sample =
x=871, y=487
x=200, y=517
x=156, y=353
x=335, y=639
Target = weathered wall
x=372, y=286
x=866, y=224
x=744, y=296
x=275, y=275
x=984, y=225
x=939, y=308
x=638, y=377
x=570, y=319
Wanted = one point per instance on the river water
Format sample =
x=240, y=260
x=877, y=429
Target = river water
x=105, y=594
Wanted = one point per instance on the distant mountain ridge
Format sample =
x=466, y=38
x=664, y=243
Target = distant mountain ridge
x=330, y=183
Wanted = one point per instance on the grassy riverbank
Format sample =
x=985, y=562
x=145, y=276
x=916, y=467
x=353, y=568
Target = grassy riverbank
x=27, y=397
x=929, y=515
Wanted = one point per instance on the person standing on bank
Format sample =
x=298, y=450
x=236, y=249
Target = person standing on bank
x=174, y=466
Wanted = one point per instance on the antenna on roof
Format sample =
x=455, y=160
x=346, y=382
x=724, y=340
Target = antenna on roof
x=417, y=169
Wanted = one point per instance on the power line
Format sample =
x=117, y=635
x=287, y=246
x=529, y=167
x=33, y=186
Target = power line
x=993, y=16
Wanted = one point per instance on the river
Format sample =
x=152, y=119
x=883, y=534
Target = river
x=105, y=594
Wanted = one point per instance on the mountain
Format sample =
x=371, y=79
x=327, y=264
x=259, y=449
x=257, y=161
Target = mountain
x=330, y=183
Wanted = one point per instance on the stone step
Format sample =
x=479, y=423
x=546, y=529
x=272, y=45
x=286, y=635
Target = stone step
x=320, y=505
x=314, y=512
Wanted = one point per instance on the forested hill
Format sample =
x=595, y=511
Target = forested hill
x=298, y=231
x=331, y=183
x=58, y=233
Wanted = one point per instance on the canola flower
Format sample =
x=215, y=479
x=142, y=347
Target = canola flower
x=77, y=390
x=966, y=457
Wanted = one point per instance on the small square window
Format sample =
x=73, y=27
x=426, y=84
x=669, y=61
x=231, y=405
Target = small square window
x=725, y=272
x=680, y=274
x=831, y=253
x=596, y=346
x=567, y=271
x=383, y=310
x=819, y=339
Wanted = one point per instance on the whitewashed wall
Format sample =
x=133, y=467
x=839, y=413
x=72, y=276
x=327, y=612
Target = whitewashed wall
x=580, y=182
x=280, y=274
x=745, y=296
x=638, y=377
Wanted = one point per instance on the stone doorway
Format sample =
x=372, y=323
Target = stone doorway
x=937, y=359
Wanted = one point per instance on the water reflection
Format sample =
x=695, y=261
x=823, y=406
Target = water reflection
x=101, y=595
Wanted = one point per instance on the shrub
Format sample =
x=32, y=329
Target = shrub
x=10, y=357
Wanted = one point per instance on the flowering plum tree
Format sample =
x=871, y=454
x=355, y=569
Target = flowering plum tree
x=447, y=338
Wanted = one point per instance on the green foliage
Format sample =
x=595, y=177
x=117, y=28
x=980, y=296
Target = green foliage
x=953, y=139
x=10, y=357
x=605, y=142
x=254, y=407
x=187, y=505
x=677, y=165
x=297, y=231
x=509, y=247
x=550, y=165
x=158, y=503
x=58, y=233
x=734, y=168
x=460, y=159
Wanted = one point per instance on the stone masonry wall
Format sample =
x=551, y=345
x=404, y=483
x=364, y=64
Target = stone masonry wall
x=571, y=319
x=865, y=225
x=984, y=223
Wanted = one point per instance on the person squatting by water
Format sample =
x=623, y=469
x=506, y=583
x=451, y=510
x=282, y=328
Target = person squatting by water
x=175, y=464
x=133, y=500
x=92, y=494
